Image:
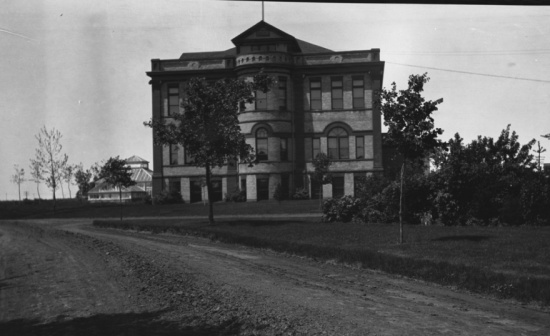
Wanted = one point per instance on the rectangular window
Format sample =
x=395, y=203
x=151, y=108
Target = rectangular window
x=333, y=148
x=358, y=92
x=315, y=147
x=173, y=99
x=261, y=100
x=261, y=149
x=344, y=148
x=262, y=187
x=337, y=186
x=285, y=189
x=360, y=147
x=189, y=159
x=174, y=149
x=316, y=189
x=337, y=93
x=284, y=149
x=196, y=191
x=174, y=185
x=216, y=190
x=282, y=93
x=315, y=94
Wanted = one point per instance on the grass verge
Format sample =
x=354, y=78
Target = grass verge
x=508, y=262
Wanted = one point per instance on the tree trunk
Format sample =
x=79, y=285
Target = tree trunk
x=69, y=187
x=321, y=197
x=62, y=192
x=19, y=187
x=209, y=192
x=401, y=204
x=120, y=199
x=38, y=190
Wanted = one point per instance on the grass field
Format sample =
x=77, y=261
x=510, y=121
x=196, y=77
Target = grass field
x=71, y=208
x=511, y=262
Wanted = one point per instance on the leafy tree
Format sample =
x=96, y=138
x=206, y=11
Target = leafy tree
x=410, y=126
x=35, y=173
x=321, y=175
x=18, y=178
x=117, y=174
x=209, y=128
x=49, y=158
x=484, y=178
x=83, y=180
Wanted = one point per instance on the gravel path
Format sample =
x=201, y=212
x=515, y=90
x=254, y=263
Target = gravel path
x=65, y=277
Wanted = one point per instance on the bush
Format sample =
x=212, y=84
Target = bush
x=301, y=194
x=148, y=199
x=342, y=209
x=236, y=196
x=168, y=197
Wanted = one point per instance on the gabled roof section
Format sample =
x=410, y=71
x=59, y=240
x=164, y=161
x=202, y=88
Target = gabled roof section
x=262, y=30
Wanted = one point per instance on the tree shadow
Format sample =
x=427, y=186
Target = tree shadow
x=473, y=238
x=127, y=324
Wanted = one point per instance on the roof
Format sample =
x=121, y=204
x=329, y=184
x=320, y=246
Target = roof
x=142, y=175
x=305, y=47
x=209, y=54
x=310, y=48
x=106, y=188
x=136, y=159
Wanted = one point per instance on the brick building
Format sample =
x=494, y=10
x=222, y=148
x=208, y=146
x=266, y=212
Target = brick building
x=322, y=102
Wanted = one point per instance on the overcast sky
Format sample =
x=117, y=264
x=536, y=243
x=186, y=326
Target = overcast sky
x=79, y=66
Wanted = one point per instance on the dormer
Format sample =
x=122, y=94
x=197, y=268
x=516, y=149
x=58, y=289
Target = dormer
x=262, y=38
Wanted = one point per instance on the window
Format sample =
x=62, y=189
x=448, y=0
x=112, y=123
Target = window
x=261, y=144
x=358, y=92
x=174, y=149
x=216, y=190
x=315, y=147
x=337, y=186
x=284, y=149
x=337, y=93
x=315, y=94
x=285, y=190
x=189, y=159
x=338, y=144
x=316, y=189
x=174, y=185
x=196, y=191
x=261, y=100
x=262, y=187
x=360, y=147
x=282, y=93
x=173, y=99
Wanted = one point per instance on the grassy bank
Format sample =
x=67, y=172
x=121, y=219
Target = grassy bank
x=72, y=208
x=509, y=262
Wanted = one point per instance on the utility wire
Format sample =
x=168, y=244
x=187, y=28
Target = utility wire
x=472, y=73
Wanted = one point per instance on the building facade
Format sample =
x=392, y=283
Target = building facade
x=322, y=102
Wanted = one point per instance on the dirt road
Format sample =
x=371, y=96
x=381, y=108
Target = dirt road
x=65, y=277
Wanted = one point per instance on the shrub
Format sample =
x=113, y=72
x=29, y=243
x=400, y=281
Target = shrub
x=168, y=197
x=236, y=196
x=147, y=199
x=301, y=194
x=342, y=209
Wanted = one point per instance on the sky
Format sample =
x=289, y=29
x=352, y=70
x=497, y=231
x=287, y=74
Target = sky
x=79, y=66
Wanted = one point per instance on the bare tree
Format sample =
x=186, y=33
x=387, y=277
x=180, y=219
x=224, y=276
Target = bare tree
x=50, y=159
x=18, y=178
x=68, y=174
x=36, y=175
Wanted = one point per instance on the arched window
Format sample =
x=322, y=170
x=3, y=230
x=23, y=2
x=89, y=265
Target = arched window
x=338, y=144
x=261, y=144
